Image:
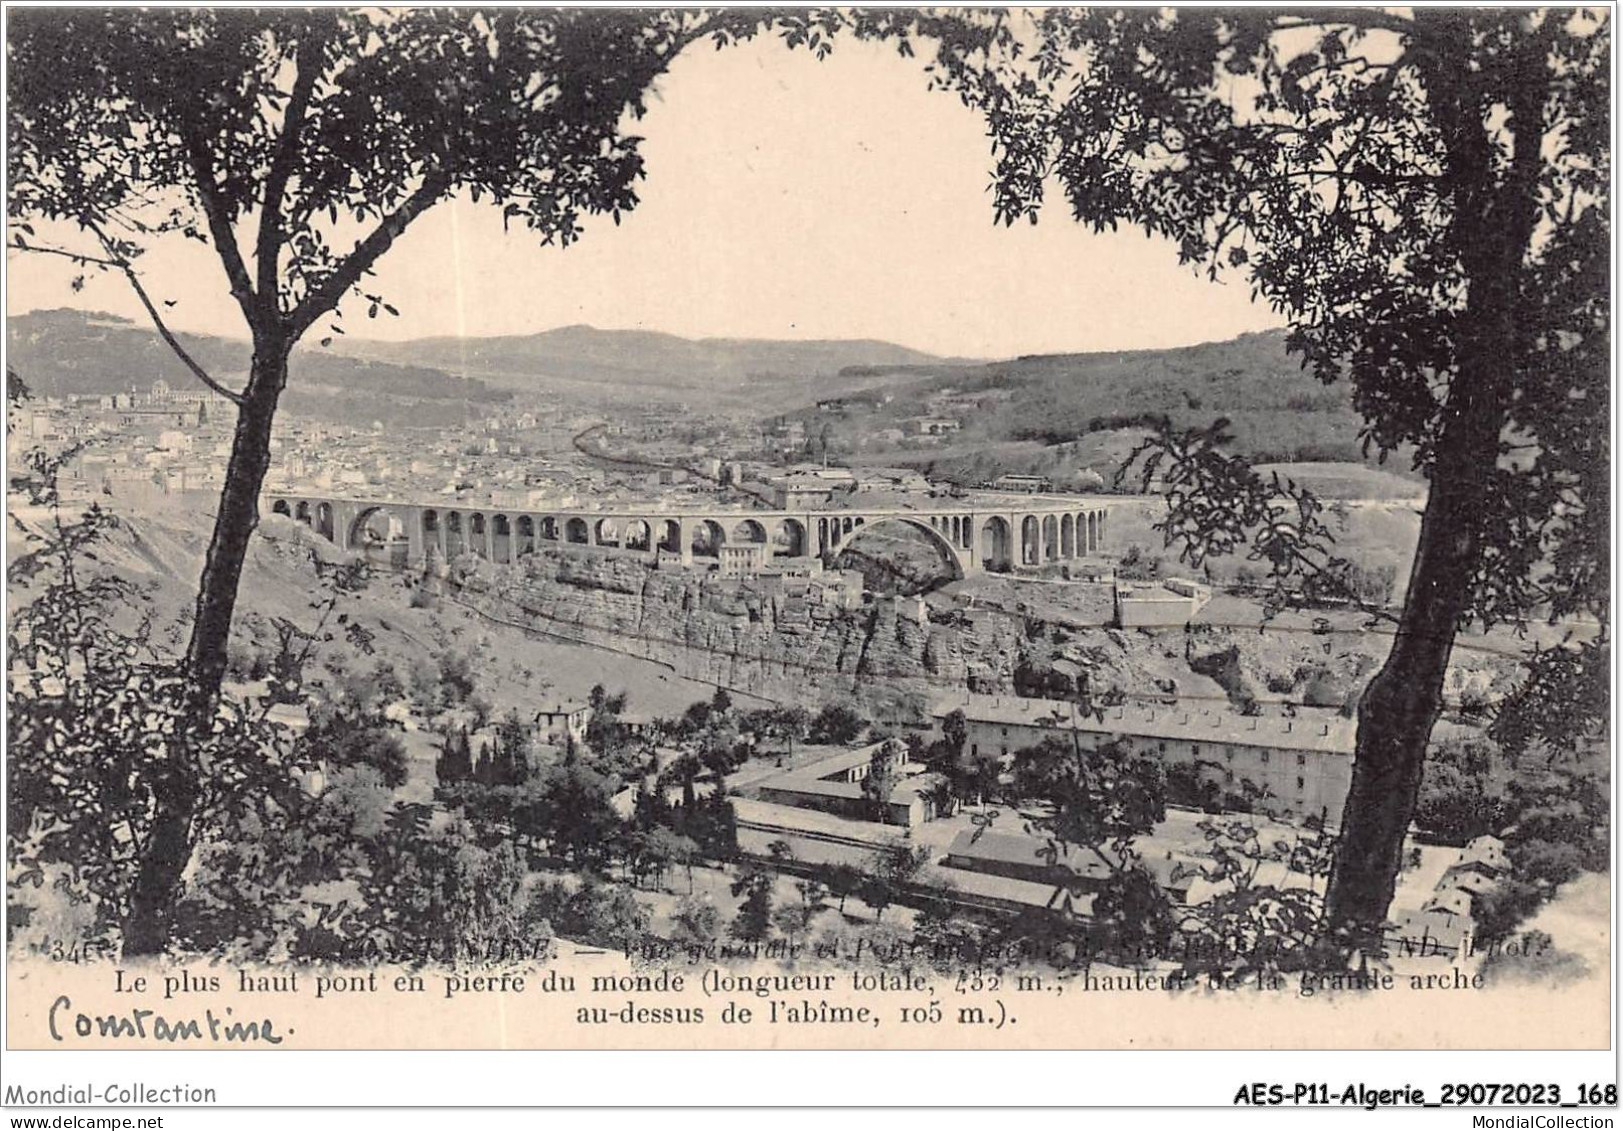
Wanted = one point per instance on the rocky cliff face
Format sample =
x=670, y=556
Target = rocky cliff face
x=785, y=643
x=758, y=636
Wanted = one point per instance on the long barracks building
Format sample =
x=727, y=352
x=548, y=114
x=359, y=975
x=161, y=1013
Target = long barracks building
x=1302, y=761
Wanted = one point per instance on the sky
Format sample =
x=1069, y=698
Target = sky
x=785, y=198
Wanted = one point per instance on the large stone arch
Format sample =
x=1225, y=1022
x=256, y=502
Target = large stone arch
x=578, y=531
x=479, y=534
x=949, y=556
x=1050, y=538
x=281, y=507
x=1067, y=536
x=550, y=530
x=356, y=537
x=324, y=524
x=431, y=530
x=525, y=536
x=455, y=542
x=301, y=511
x=606, y=532
x=997, y=545
x=638, y=535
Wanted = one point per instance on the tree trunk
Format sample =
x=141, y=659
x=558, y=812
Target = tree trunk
x=1493, y=230
x=1396, y=716
x=177, y=789
x=1405, y=698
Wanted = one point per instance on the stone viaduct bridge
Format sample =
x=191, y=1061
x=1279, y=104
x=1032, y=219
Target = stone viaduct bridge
x=990, y=532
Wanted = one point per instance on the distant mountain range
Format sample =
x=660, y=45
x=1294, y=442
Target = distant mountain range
x=1051, y=401
x=64, y=352
x=643, y=362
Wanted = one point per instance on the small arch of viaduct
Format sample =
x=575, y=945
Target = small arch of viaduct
x=1006, y=535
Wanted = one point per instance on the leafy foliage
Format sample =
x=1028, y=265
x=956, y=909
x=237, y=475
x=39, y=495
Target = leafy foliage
x=342, y=733
x=128, y=126
x=882, y=779
x=836, y=724
x=90, y=709
x=754, y=919
x=1424, y=195
x=1096, y=800
x=1562, y=705
x=455, y=762
x=590, y=912
x=429, y=892
x=1258, y=922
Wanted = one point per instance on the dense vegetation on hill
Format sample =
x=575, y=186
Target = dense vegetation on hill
x=1277, y=412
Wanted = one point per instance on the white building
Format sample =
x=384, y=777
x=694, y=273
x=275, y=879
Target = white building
x=557, y=723
x=1026, y=484
x=743, y=559
x=1304, y=763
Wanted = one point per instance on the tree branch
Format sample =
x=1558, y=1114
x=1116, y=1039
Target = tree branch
x=327, y=296
x=713, y=23
x=78, y=257
x=1334, y=16
x=157, y=320
x=267, y=249
x=219, y=221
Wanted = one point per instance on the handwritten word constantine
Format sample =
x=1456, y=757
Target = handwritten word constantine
x=145, y=1024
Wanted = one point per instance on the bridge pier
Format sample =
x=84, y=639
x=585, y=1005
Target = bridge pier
x=344, y=532
x=416, y=552
x=437, y=545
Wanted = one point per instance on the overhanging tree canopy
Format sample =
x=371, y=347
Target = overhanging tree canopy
x=1424, y=195
x=300, y=145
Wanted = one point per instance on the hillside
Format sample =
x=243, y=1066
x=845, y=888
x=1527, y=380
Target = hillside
x=159, y=548
x=645, y=364
x=69, y=352
x=1047, y=412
